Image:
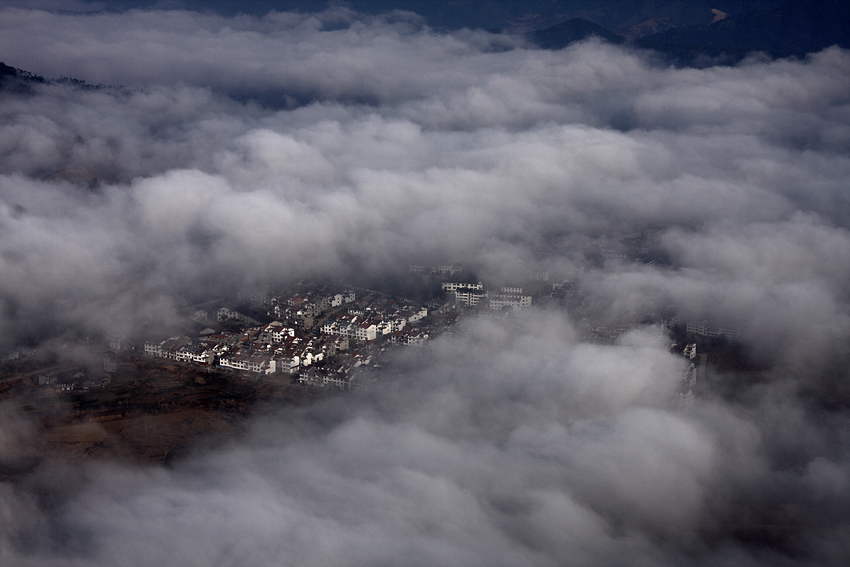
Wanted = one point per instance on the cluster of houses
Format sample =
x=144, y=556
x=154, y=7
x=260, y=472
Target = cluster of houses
x=369, y=324
x=320, y=338
x=66, y=379
x=265, y=349
x=301, y=310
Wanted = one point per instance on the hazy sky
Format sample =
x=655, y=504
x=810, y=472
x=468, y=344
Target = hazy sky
x=237, y=151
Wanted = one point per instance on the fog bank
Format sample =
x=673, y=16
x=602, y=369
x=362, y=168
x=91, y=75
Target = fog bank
x=242, y=152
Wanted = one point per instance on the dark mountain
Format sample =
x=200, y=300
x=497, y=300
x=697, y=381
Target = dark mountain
x=16, y=80
x=637, y=18
x=632, y=18
x=689, y=31
x=576, y=29
x=796, y=27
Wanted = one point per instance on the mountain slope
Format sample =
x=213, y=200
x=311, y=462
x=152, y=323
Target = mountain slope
x=576, y=29
x=796, y=27
x=17, y=80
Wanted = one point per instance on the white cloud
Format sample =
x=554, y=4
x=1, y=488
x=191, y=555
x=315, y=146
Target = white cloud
x=262, y=150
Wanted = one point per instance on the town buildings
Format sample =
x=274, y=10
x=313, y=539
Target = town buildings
x=318, y=338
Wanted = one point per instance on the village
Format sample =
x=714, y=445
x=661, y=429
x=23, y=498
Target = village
x=320, y=336
x=233, y=356
x=309, y=337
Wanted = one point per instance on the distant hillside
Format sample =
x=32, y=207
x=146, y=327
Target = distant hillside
x=17, y=80
x=796, y=27
x=631, y=18
x=576, y=29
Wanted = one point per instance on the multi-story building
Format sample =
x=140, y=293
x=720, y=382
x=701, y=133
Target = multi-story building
x=451, y=287
x=510, y=298
x=706, y=330
x=470, y=298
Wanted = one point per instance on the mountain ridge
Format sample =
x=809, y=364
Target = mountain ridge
x=794, y=28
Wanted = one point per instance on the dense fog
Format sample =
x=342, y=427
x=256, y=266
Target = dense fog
x=220, y=154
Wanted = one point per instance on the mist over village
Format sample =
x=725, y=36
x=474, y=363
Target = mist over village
x=363, y=283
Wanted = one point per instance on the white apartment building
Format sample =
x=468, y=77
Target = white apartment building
x=451, y=287
x=514, y=300
x=470, y=298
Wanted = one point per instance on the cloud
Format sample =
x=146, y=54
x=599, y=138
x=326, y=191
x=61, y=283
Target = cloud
x=486, y=463
x=243, y=151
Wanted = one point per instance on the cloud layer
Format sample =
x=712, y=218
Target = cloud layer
x=244, y=151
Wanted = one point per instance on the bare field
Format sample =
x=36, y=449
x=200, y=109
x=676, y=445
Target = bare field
x=147, y=438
